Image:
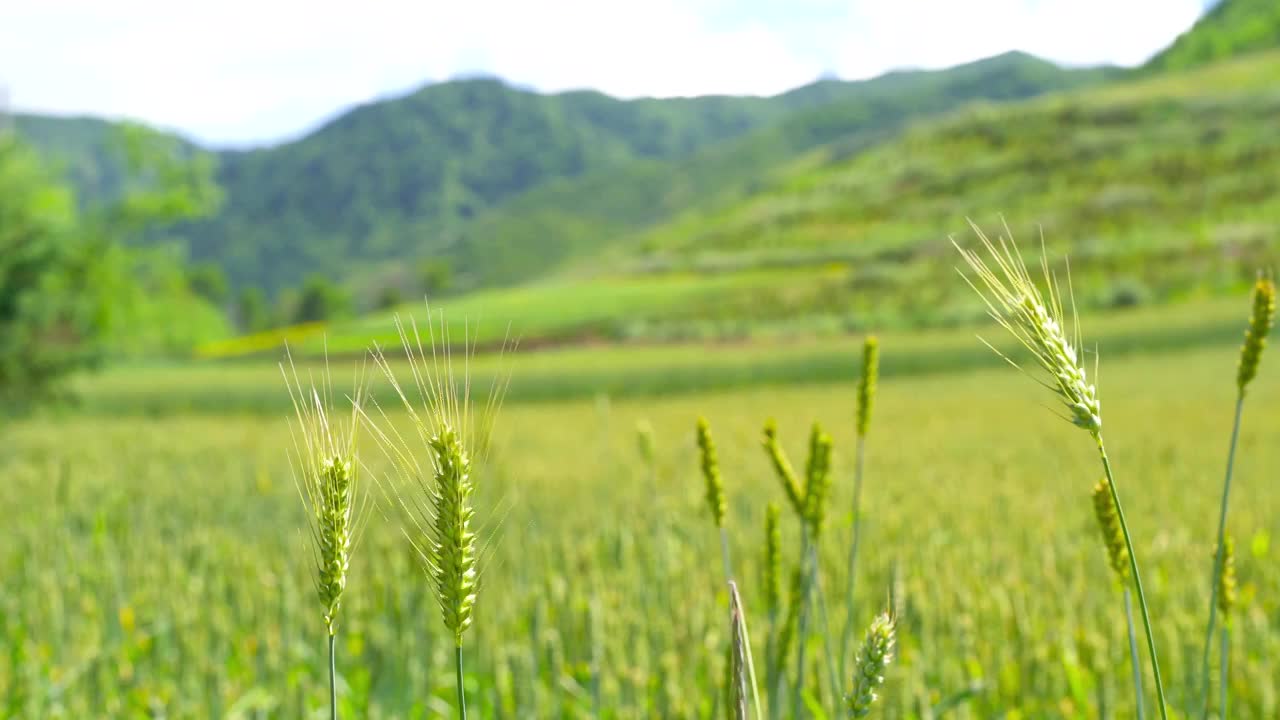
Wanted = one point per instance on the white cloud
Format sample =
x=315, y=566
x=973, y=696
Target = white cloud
x=245, y=70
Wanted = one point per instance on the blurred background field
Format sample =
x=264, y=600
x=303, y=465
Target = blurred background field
x=253, y=384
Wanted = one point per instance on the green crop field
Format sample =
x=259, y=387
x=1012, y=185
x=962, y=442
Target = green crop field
x=156, y=566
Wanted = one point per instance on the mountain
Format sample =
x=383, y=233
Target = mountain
x=562, y=222
x=1231, y=28
x=1160, y=188
x=507, y=183
x=396, y=178
x=1165, y=184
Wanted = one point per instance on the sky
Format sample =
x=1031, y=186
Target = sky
x=251, y=72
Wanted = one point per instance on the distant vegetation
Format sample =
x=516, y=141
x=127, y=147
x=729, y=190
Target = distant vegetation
x=1163, y=189
x=423, y=175
x=824, y=209
x=576, y=220
x=1231, y=28
x=74, y=284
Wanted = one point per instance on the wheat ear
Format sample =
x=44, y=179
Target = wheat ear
x=873, y=659
x=782, y=467
x=1037, y=320
x=710, y=463
x=440, y=511
x=326, y=472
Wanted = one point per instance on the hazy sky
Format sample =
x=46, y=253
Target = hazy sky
x=252, y=71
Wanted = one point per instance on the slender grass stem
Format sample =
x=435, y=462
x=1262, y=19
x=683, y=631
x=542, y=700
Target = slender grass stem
x=1225, y=662
x=462, y=695
x=847, y=635
x=1217, y=557
x=1103, y=710
x=771, y=672
x=797, y=693
x=1133, y=655
x=1137, y=579
x=833, y=678
x=724, y=555
x=333, y=680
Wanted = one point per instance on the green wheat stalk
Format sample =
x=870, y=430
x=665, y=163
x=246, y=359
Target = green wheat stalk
x=326, y=471
x=771, y=581
x=810, y=504
x=1036, y=320
x=1255, y=339
x=866, y=399
x=1118, y=557
x=741, y=666
x=817, y=496
x=438, y=502
x=1226, y=601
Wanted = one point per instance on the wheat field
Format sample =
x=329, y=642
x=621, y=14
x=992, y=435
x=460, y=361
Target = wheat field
x=156, y=567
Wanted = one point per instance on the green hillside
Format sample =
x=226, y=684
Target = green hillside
x=1231, y=28
x=507, y=184
x=1161, y=189
x=574, y=220
x=1162, y=180
x=1168, y=181
x=400, y=178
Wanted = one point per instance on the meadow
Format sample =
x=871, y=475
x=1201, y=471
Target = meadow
x=154, y=563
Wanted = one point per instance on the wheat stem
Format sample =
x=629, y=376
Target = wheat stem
x=1217, y=555
x=1225, y=662
x=832, y=677
x=462, y=695
x=1137, y=579
x=773, y=599
x=806, y=573
x=333, y=681
x=847, y=635
x=724, y=555
x=1133, y=656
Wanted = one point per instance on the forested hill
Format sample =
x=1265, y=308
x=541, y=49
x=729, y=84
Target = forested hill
x=1230, y=29
x=506, y=183
x=572, y=220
